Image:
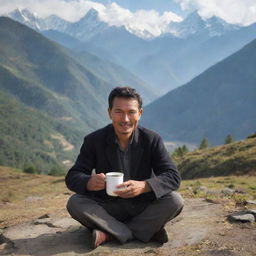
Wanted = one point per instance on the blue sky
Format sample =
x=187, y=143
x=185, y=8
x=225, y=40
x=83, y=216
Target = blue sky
x=158, y=5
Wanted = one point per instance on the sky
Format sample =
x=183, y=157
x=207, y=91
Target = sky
x=142, y=14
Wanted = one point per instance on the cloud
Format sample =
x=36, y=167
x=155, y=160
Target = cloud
x=112, y=13
x=241, y=12
x=140, y=20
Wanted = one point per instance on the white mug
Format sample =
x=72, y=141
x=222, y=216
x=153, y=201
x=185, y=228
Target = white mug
x=113, y=179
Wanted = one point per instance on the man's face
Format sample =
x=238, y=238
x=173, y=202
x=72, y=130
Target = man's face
x=125, y=114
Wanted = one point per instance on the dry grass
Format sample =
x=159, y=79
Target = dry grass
x=27, y=196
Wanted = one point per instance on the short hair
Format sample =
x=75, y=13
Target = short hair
x=124, y=92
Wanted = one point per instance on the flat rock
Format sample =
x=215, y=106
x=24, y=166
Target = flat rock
x=60, y=236
x=242, y=216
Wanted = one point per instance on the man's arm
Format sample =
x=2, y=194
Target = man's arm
x=78, y=178
x=167, y=177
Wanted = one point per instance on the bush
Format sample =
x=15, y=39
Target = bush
x=30, y=169
x=56, y=171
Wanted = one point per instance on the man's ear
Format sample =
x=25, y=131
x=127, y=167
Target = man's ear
x=140, y=111
x=109, y=111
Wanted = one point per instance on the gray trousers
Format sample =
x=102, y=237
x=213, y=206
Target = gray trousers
x=125, y=219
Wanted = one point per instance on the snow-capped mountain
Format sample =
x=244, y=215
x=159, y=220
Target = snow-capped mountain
x=87, y=27
x=56, y=23
x=91, y=25
x=33, y=21
x=194, y=24
x=26, y=17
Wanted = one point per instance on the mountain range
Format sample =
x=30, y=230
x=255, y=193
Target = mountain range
x=164, y=62
x=64, y=79
x=70, y=91
x=218, y=102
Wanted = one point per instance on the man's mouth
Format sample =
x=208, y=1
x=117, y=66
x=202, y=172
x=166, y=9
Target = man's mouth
x=125, y=125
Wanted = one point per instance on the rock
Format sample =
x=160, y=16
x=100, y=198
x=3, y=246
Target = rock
x=69, y=238
x=202, y=188
x=228, y=191
x=243, y=216
x=33, y=198
x=213, y=192
x=44, y=216
x=240, y=191
x=251, y=202
x=253, y=212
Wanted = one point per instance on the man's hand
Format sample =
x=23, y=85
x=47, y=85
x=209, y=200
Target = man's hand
x=96, y=182
x=132, y=188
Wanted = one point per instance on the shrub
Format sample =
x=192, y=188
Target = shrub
x=30, y=169
x=56, y=171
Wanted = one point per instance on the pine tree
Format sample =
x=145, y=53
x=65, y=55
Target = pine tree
x=203, y=144
x=229, y=139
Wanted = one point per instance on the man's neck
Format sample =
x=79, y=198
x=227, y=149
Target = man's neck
x=124, y=140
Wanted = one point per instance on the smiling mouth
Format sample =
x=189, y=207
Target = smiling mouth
x=126, y=126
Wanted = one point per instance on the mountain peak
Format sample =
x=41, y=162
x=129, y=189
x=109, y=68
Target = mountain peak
x=91, y=16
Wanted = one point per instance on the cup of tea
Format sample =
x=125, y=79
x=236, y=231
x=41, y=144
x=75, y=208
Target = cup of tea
x=113, y=179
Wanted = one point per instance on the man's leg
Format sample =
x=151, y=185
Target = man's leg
x=155, y=216
x=92, y=215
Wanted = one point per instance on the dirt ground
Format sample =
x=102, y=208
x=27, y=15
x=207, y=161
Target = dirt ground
x=34, y=221
x=201, y=230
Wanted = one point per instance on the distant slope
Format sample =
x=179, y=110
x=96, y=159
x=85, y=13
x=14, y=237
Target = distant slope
x=44, y=75
x=30, y=138
x=98, y=64
x=49, y=100
x=237, y=158
x=220, y=101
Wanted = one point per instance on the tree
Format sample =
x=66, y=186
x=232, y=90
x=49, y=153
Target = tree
x=229, y=139
x=203, y=144
x=180, y=151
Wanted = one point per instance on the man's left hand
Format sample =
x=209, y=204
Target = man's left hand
x=132, y=188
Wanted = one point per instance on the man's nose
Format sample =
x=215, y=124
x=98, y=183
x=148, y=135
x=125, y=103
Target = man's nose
x=125, y=117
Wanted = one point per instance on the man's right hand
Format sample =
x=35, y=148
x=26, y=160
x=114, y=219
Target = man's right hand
x=96, y=182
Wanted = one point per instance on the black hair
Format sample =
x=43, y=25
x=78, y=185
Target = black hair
x=124, y=92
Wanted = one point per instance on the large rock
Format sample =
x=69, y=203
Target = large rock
x=53, y=235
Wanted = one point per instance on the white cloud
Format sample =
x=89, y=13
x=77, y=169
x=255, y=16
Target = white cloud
x=113, y=14
x=232, y=11
x=141, y=20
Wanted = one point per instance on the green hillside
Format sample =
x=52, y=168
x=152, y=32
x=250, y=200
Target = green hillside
x=49, y=100
x=44, y=75
x=220, y=101
x=30, y=138
x=236, y=158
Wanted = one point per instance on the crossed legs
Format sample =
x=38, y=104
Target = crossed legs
x=125, y=219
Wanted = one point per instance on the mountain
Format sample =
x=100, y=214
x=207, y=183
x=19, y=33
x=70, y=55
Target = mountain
x=116, y=75
x=31, y=20
x=218, y=102
x=67, y=92
x=108, y=71
x=31, y=138
x=50, y=89
x=165, y=62
x=46, y=76
x=194, y=24
x=87, y=27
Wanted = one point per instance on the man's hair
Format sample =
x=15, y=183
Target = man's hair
x=124, y=92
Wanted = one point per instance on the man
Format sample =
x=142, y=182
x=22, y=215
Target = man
x=147, y=200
